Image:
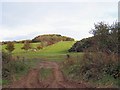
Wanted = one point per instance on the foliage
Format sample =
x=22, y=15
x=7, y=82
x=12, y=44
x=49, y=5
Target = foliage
x=105, y=39
x=18, y=66
x=51, y=38
x=101, y=55
x=82, y=45
x=10, y=47
x=39, y=47
x=26, y=46
x=97, y=67
x=100, y=63
x=11, y=66
x=6, y=58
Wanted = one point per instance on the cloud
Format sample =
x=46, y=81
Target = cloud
x=59, y=0
x=70, y=19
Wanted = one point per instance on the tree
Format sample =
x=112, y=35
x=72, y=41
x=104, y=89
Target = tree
x=10, y=47
x=26, y=46
x=100, y=29
x=114, y=37
x=106, y=37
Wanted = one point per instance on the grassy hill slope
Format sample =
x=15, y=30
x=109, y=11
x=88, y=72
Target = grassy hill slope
x=55, y=52
x=60, y=47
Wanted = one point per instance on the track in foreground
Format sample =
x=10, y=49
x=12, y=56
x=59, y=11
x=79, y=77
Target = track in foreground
x=32, y=79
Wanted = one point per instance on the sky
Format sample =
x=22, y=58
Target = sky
x=26, y=20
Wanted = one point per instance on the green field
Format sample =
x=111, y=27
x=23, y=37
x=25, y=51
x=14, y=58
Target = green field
x=55, y=52
x=60, y=47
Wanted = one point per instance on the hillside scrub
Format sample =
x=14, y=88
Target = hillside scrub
x=12, y=66
x=51, y=39
x=105, y=39
x=100, y=69
x=10, y=47
x=5, y=65
x=81, y=45
x=100, y=63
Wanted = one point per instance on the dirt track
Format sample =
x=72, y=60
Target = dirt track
x=57, y=80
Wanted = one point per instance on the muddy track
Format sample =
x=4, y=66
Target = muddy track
x=57, y=80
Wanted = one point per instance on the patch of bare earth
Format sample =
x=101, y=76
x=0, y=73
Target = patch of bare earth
x=56, y=80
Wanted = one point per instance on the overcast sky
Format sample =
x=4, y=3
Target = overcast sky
x=25, y=20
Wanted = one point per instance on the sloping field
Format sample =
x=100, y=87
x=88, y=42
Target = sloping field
x=60, y=47
x=53, y=52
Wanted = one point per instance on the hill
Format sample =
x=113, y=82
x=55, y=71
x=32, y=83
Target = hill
x=46, y=39
x=51, y=38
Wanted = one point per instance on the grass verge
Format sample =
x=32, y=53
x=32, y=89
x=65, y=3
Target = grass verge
x=45, y=73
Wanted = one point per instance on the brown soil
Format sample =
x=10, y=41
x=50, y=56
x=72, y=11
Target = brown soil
x=57, y=80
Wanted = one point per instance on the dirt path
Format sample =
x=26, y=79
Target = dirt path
x=32, y=79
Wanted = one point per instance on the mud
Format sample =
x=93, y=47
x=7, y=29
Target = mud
x=57, y=80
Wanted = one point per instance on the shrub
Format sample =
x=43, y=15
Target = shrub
x=39, y=47
x=96, y=65
x=26, y=46
x=11, y=66
x=10, y=47
x=6, y=58
x=18, y=66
